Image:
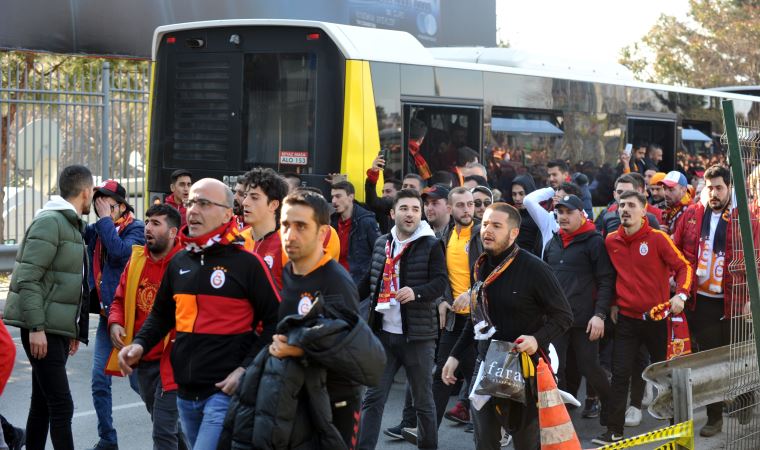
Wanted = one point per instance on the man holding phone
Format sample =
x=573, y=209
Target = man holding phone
x=381, y=206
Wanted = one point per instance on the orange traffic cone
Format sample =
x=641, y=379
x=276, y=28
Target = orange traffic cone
x=557, y=432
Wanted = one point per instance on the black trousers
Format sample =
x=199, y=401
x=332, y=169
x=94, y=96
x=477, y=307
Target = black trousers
x=521, y=421
x=708, y=331
x=586, y=355
x=441, y=391
x=345, y=417
x=630, y=334
x=52, y=407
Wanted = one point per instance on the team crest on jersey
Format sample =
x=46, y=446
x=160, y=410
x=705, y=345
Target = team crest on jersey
x=304, y=305
x=643, y=249
x=218, y=277
x=269, y=260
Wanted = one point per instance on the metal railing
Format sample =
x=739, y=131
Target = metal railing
x=62, y=110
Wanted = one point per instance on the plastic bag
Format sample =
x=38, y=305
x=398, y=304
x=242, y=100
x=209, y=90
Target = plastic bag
x=502, y=373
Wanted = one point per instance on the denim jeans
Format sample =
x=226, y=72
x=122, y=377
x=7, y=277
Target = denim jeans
x=202, y=420
x=162, y=407
x=101, y=383
x=417, y=358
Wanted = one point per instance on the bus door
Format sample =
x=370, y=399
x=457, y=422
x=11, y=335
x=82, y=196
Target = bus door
x=443, y=130
x=647, y=130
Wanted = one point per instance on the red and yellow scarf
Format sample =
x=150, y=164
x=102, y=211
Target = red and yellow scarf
x=419, y=161
x=484, y=327
x=679, y=343
x=387, y=296
x=225, y=234
x=712, y=253
x=671, y=215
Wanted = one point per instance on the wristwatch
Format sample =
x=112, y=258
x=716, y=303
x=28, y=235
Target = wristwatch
x=683, y=296
x=601, y=316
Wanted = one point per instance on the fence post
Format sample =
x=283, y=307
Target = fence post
x=682, y=401
x=106, y=122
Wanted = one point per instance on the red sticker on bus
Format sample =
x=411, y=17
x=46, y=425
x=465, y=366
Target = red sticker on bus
x=294, y=158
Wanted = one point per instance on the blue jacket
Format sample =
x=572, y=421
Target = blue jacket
x=118, y=249
x=361, y=240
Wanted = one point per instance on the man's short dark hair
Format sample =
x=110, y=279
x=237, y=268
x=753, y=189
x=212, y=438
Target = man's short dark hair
x=638, y=195
x=407, y=193
x=173, y=218
x=562, y=165
x=459, y=190
x=570, y=189
x=441, y=177
x=478, y=179
x=466, y=155
x=313, y=200
x=514, y=215
x=718, y=171
x=270, y=182
x=632, y=179
x=396, y=183
x=345, y=186
x=180, y=173
x=73, y=180
x=415, y=176
x=417, y=129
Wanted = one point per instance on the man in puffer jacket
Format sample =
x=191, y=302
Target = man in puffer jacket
x=284, y=403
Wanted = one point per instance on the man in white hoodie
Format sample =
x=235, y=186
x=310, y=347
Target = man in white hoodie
x=407, y=275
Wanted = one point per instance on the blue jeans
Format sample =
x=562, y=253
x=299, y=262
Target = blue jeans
x=202, y=420
x=101, y=383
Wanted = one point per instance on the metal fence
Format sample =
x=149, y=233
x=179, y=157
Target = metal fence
x=64, y=110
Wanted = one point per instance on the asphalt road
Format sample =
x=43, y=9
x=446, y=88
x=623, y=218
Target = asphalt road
x=133, y=424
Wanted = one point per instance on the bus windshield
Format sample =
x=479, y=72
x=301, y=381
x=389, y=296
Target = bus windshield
x=279, y=107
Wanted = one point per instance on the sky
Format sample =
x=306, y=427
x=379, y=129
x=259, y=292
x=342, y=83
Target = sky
x=589, y=30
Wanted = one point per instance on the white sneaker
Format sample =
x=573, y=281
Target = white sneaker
x=632, y=416
x=506, y=438
x=648, y=395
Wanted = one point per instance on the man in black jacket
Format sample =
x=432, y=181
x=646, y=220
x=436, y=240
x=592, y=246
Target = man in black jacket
x=215, y=294
x=357, y=230
x=530, y=236
x=579, y=259
x=407, y=275
x=304, y=224
x=525, y=305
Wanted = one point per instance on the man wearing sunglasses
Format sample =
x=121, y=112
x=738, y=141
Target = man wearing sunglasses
x=109, y=245
x=482, y=199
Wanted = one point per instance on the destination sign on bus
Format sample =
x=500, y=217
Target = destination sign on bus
x=291, y=158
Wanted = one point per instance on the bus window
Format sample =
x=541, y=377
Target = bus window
x=643, y=132
x=279, y=107
x=526, y=140
x=435, y=134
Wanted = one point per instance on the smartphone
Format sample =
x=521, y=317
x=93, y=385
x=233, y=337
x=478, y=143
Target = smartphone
x=628, y=149
x=384, y=155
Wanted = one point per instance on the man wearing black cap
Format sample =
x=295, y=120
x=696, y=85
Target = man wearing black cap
x=109, y=245
x=437, y=212
x=579, y=259
x=181, y=181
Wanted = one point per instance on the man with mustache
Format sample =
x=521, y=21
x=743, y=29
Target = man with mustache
x=644, y=259
x=701, y=236
x=520, y=300
x=677, y=199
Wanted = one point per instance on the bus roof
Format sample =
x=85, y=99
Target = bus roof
x=374, y=44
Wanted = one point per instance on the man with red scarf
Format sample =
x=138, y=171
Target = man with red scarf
x=109, y=244
x=677, y=198
x=580, y=261
x=644, y=259
x=214, y=293
x=701, y=236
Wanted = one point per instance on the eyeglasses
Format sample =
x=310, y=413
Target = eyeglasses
x=479, y=203
x=203, y=203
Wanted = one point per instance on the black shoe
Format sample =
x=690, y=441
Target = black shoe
x=590, y=409
x=608, y=437
x=105, y=445
x=395, y=432
x=410, y=434
x=469, y=428
x=19, y=440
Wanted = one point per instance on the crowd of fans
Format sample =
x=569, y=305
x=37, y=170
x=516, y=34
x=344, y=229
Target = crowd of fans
x=273, y=315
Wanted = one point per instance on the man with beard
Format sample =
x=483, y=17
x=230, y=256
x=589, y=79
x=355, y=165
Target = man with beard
x=546, y=221
x=677, y=199
x=406, y=277
x=237, y=209
x=520, y=300
x=657, y=191
x=701, y=236
x=131, y=305
x=436, y=208
x=180, y=187
x=644, y=259
x=529, y=237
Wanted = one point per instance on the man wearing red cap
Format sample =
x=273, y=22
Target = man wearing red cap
x=109, y=245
